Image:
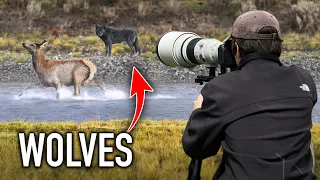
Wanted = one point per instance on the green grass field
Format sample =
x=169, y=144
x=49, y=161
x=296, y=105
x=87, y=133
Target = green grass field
x=157, y=148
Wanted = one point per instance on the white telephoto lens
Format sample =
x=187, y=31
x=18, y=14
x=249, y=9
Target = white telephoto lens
x=171, y=50
x=206, y=51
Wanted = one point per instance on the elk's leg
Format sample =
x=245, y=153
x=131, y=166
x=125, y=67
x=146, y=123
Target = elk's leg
x=76, y=84
x=58, y=87
x=77, y=89
x=80, y=76
x=25, y=90
x=31, y=86
x=100, y=84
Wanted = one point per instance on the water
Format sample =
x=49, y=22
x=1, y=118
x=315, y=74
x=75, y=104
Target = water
x=168, y=101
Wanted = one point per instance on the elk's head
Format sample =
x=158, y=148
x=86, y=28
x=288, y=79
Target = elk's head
x=33, y=48
x=100, y=30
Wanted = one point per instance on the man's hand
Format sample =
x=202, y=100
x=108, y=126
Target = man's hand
x=198, y=102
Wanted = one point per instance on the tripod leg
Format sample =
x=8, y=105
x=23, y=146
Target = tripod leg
x=220, y=170
x=195, y=169
x=313, y=159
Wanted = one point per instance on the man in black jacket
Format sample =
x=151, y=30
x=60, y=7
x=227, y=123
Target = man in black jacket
x=260, y=113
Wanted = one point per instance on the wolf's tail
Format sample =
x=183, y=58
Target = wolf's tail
x=92, y=68
x=136, y=45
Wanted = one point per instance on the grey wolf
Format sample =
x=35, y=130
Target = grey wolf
x=112, y=36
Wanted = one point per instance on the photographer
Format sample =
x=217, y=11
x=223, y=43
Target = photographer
x=260, y=113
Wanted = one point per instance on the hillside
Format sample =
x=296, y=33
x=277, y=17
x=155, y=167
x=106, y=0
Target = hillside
x=206, y=17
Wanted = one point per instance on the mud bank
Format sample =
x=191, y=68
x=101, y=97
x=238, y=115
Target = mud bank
x=118, y=69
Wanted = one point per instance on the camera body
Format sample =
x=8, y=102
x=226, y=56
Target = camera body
x=187, y=49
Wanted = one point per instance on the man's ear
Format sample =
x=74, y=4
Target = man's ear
x=238, y=50
x=238, y=53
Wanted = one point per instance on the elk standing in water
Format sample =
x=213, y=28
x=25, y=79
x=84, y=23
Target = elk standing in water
x=56, y=73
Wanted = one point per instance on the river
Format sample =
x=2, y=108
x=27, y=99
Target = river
x=168, y=101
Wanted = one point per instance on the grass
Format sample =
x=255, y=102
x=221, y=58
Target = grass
x=194, y=5
x=301, y=42
x=157, y=148
x=11, y=48
x=18, y=57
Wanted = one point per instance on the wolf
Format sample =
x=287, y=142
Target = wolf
x=113, y=36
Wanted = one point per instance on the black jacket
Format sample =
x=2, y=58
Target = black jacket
x=261, y=115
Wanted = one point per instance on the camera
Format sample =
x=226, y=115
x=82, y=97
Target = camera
x=187, y=49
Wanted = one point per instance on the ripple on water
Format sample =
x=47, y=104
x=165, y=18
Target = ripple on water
x=169, y=101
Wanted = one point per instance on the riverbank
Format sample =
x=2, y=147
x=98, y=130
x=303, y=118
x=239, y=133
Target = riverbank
x=16, y=66
x=117, y=69
x=157, y=148
x=79, y=16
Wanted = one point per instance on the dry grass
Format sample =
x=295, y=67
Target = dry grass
x=157, y=148
x=77, y=46
x=10, y=45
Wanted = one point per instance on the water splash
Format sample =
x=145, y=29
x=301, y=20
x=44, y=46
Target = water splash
x=160, y=96
x=87, y=94
x=66, y=94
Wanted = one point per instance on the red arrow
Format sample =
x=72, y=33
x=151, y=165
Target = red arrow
x=139, y=86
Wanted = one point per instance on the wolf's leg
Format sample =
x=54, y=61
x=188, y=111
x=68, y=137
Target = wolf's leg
x=110, y=49
x=132, y=49
x=136, y=46
x=131, y=41
x=107, y=48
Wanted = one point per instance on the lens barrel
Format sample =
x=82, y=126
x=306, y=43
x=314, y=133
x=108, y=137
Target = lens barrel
x=187, y=49
x=170, y=48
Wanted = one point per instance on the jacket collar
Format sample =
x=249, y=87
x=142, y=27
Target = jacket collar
x=259, y=55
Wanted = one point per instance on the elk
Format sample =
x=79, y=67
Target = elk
x=56, y=73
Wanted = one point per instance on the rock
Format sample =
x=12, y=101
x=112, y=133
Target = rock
x=118, y=69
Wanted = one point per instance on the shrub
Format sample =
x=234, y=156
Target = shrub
x=307, y=15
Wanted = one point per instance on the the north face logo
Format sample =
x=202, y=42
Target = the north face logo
x=305, y=87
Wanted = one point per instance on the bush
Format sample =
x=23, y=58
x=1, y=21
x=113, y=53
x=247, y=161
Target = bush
x=194, y=5
x=307, y=15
